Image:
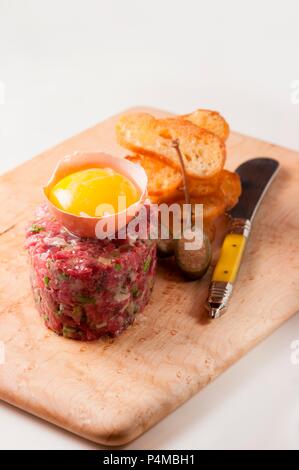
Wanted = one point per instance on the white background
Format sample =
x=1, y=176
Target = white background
x=66, y=65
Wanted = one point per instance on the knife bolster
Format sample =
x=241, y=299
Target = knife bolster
x=240, y=226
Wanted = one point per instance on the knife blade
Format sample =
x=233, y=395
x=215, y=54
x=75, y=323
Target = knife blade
x=256, y=176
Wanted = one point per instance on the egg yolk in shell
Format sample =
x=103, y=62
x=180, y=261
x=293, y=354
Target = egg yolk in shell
x=94, y=192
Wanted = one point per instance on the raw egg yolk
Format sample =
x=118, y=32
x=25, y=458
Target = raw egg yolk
x=94, y=192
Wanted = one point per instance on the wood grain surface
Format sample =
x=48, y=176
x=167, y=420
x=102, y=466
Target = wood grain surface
x=111, y=391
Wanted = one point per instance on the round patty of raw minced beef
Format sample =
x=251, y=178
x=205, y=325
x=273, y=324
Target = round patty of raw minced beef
x=87, y=288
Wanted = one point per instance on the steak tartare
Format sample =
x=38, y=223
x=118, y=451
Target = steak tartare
x=87, y=288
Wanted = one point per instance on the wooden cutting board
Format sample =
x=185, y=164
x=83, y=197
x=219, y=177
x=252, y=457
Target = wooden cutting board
x=111, y=391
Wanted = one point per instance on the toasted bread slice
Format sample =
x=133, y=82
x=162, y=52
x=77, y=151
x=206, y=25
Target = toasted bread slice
x=230, y=188
x=204, y=186
x=213, y=205
x=166, y=181
x=210, y=229
x=209, y=120
x=162, y=178
x=223, y=198
x=198, y=187
x=203, y=152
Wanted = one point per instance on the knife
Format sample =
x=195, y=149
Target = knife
x=256, y=176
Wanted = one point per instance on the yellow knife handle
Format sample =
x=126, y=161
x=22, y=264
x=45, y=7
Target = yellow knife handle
x=227, y=267
x=230, y=258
